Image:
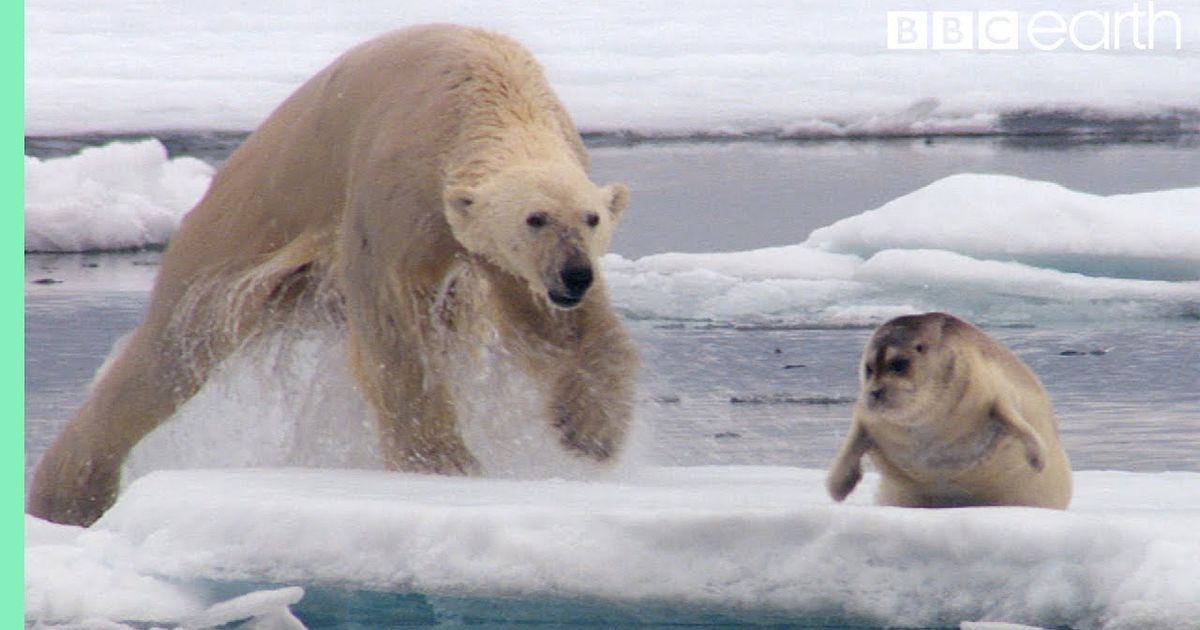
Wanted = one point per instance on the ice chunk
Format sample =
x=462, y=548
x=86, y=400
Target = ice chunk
x=1154, y=235
x=730, y=538
x=266, y=610
x=125, y=195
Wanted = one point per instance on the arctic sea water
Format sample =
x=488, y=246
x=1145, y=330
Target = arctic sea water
x=739, y=383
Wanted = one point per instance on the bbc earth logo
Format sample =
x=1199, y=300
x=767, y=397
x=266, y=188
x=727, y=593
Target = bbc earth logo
x=1135, y=29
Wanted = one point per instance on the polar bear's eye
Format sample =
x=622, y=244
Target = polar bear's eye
x=592, y=219
x=536, y=220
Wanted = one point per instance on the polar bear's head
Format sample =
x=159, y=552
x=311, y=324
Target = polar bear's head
x=546, y=225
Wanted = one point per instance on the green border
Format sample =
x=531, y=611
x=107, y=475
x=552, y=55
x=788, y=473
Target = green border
x=12, y=277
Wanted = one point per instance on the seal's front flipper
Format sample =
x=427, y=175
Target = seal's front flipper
x=846, y=470
x=1014, y=423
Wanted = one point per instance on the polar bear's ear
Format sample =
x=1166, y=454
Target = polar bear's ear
x=459, y=198
x=618, y=198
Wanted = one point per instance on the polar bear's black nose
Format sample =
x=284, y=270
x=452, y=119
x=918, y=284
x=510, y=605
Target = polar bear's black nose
x=576, y=280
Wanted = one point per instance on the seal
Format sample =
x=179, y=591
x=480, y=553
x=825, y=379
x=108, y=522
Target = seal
x=951, y=418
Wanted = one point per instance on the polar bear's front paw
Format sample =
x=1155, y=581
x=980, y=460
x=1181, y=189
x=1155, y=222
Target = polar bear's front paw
x=72, y=490
x=448, y=459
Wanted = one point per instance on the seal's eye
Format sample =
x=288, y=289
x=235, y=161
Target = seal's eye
x=898, y=366
x=920, y=347
x=536, y=220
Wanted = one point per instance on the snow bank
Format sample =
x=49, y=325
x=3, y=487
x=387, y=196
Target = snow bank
x=696, y=68
x=994, y=248
x=742, y=539
x=124, y=195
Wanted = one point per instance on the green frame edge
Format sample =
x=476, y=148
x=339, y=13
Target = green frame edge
x=12, y=393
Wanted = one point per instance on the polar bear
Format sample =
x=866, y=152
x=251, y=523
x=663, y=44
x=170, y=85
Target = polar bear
x=426, y=189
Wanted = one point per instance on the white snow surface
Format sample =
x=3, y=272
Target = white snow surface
x=703, y=67
x=740, y=538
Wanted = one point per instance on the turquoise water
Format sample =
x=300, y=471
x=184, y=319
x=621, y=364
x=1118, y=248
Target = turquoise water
x=333, y=608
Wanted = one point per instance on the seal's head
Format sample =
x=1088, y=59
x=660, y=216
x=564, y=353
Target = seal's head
x=908, y=362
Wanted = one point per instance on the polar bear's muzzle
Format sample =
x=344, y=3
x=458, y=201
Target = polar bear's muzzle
x=574, y=280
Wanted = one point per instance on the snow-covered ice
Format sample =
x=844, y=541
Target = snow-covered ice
x=736, y=538
x=702, y=67
x=125, y=195
x=997, y=216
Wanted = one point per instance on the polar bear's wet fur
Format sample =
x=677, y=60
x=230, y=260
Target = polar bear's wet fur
x=426, y=190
